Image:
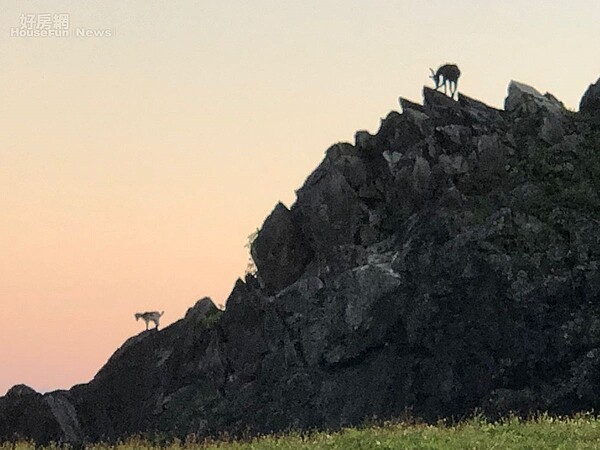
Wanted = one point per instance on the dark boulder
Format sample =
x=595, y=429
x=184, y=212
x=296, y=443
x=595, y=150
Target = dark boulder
x=24, y=413
x=279, y=250
x=203, y=309
x=590, y=102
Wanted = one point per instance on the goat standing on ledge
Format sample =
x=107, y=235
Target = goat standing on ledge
x=450, y=74
x=153, y=316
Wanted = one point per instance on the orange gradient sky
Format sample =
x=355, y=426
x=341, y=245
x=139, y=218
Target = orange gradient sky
x=133, y=167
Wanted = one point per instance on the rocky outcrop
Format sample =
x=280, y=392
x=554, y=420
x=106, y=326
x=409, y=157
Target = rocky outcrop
x=328, y=208
x=25, y=413
x=203, y=309
x=280, y=251
x=590, y=102
x=525, y=99
x=446, y=263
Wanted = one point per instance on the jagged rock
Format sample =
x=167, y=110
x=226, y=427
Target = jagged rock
x=454, y=138
x=420, y=120
x=445, y=111
x=347, y=160
x=528, y=100
x=201, y=310
x=328, y=210
x=279, y=250
x=407, y=105
x=590, y=102
x=479, y=112
x=398, y=133
x=21, y=391
x=363, y=139
x=433, y=99
x=448, y=263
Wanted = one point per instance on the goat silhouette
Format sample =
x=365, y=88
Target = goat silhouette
x=448, y=75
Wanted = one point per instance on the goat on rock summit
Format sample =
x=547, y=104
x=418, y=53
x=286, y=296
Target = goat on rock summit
x=448, y=74
x=153, y=316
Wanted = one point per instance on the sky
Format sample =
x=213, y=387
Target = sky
x=135, y=162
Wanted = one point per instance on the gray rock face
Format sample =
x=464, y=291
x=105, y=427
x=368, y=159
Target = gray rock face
x=479, y=112
x=590, y=102
x=329, y=210
x=66, y=416
x=528, y=100
x=446, y=263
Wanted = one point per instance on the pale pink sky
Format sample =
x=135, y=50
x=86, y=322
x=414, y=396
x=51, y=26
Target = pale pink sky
x=133, y=167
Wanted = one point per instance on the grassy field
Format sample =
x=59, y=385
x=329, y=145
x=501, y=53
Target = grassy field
x=580, y=432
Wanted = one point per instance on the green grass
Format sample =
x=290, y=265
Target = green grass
x=579, y=432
